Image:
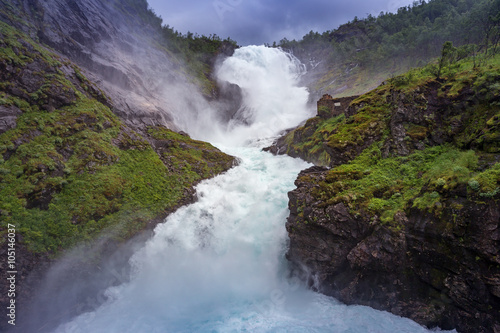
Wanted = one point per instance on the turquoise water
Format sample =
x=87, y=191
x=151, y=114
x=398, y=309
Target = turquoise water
x=219, y=264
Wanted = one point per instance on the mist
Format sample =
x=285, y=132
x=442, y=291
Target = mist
x=272, y=99
x=83, y=279
x=147, y=85
x=76, y=282
x=217, y=264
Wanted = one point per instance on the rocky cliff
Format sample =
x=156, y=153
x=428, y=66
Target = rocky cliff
x=120, y=46
x=86, y=153
x=111, y=43
x=407, y=217
x=437, y=270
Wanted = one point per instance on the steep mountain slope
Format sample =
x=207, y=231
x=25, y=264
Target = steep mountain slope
x=110, y=42
x=79, y=158
x=122, y=46
x=408, y=217
x=359, y=55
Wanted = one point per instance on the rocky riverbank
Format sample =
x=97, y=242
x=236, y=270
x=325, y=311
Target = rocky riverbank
x=80, y=165
x=406, y=215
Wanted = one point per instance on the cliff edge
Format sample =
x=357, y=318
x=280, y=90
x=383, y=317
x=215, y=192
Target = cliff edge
x=79, y=164
x=403, y=214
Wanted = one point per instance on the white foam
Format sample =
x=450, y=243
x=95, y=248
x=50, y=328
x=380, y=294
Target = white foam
x=218, y=265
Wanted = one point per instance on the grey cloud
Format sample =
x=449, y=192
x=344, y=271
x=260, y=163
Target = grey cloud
x=259, y=21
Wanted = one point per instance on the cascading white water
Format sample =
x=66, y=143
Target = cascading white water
x=218, y=265
x=273, y=101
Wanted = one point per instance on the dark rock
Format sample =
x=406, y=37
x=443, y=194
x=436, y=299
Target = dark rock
x=41, y=198
x=329, y=107
x=228, y=99
x=437, y=270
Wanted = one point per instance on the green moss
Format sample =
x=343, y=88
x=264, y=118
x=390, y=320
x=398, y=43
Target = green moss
x=68, y=174
x=321, y=140
x=18, y=49
x=197, y=158
x=429, y=201
x=99, y=185
x=488, y=181
x=310, y=139
x=385, y=186
x=323, y=111
x=381, y=184
x=417, y=132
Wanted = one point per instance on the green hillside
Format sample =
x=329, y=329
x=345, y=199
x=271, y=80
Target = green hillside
x=70, y=168
x=357, y=56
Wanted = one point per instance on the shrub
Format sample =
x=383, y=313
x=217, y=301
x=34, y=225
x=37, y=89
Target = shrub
x=474, y=185
x=441, y=182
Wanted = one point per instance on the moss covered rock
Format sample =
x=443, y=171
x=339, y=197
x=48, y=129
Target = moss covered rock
x=407, y=218
x=71, y=169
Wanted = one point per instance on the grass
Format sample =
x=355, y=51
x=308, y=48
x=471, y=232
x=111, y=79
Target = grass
x=92, y=187
x=322, y=141
x=385, y=186
x=379, y=181
x=69, y=173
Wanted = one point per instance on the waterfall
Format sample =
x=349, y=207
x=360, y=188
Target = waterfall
x=272, y=99
x=218, y=265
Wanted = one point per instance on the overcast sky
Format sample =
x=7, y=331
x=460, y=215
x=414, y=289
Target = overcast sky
x=265, y=21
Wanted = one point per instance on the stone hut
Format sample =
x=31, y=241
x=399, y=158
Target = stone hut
x=329, y=107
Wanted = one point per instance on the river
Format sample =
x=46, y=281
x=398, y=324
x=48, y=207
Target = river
x=218, y=265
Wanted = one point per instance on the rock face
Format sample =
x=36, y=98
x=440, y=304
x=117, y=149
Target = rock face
x=100, y=38
x=8, y=117
x=228, y=100
x=329, y=107
x=85, y=150
x=390, y=224
x=119, y=45
x=427, y=116
x=437, y=271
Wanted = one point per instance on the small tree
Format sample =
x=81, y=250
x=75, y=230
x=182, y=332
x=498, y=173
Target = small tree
x=447, y=55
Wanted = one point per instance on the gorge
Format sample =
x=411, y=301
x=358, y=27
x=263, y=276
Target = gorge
x=136, y=167
x=218, y=264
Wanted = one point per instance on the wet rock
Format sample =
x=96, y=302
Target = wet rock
x=228, y=99
x=437, y=270
x=102, y=37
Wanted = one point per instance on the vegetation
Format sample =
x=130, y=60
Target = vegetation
x=194, y=53
x=71, y=171
x=380, y=180
x=364, y=52
x=322, y=141
x=197, y=51
x=191, y=46
x=423, y=179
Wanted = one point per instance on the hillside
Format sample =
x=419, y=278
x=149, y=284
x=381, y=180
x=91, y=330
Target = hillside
x=400, y=213
x=145, y=68
x=359, y=55
x=84, y=159
x=406, y=219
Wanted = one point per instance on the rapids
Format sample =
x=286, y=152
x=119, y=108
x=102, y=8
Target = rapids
x=218, y=265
